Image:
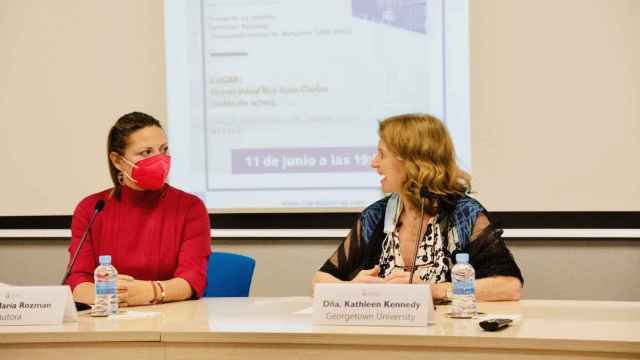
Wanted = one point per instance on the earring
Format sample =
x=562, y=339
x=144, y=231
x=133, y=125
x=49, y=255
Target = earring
x=121, y=178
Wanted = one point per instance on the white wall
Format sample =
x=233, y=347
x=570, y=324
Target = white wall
x=68, y=70
x=555, y=104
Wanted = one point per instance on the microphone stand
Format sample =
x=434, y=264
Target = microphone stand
x=423, y=195
x=99, y=206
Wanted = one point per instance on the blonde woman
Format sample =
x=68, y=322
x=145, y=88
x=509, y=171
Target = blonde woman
x=415, y=153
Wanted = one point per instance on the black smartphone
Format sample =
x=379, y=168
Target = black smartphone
x=495, y=324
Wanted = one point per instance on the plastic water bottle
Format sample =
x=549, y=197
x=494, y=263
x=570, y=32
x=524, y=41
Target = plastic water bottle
x=105, y=277
x=463, y=277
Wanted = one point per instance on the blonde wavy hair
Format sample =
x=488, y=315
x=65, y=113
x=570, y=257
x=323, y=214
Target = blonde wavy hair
x=423, y=143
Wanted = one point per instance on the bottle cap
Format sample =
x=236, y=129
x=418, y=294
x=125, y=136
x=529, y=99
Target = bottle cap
x=462, y=258
x=106, y=259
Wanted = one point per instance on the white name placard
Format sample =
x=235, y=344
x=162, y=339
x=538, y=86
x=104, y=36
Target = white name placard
x=36, y=305
x=372, y=304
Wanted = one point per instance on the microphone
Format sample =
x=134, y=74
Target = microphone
x=99, y=206
x=424, y=194
x=446, y=201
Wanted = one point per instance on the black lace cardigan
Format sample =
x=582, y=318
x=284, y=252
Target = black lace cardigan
x=362, y=247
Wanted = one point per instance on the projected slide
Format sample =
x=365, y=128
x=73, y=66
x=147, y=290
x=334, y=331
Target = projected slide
x=275, y=104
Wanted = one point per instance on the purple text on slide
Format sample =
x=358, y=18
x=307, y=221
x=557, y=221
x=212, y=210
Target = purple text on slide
x=302, y=160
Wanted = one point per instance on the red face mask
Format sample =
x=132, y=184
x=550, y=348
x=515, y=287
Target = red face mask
x=150, y=173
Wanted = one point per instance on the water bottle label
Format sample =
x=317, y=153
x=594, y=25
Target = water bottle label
x=463, y=287
x=108, y=288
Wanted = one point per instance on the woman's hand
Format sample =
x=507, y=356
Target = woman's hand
x=122, y=287
x=439, y=291
x=132, y=292
x=369, y=276
x=399, y=276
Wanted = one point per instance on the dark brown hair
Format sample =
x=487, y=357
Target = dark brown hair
x=119, y=137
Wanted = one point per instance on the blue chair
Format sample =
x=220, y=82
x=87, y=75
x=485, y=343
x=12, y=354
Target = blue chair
x=229, y=275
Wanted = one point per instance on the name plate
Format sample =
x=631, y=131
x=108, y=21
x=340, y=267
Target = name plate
x=372, y=304
x=36, y=305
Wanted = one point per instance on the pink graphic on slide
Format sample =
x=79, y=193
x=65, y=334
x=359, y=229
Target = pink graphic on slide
x=302, y=160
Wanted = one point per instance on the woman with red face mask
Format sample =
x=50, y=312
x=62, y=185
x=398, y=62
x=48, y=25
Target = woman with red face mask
x=158, y=237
